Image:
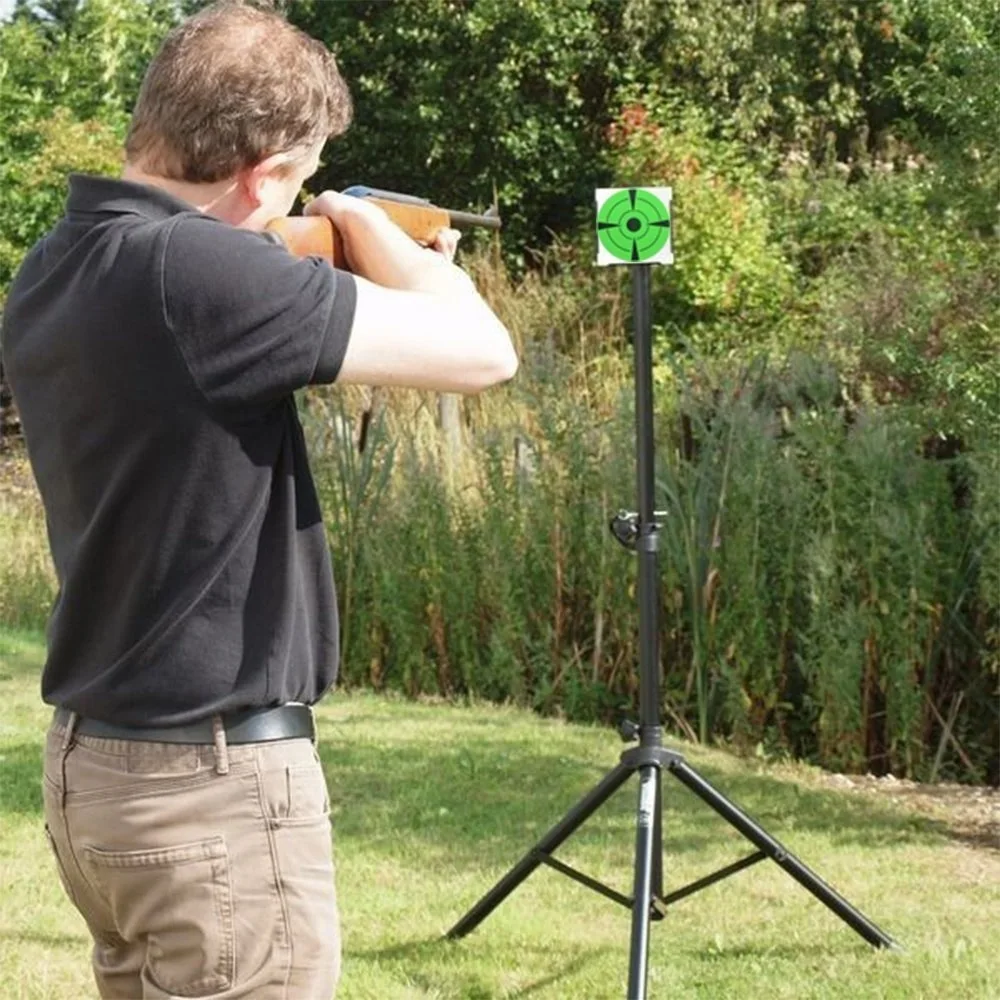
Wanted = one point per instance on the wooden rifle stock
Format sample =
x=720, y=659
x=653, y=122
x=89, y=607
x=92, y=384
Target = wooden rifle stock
x=316, y=235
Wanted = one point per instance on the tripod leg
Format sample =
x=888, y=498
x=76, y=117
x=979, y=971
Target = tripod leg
x=769, y=846
x=645, y=837
x=657, y=889
x=574, y=818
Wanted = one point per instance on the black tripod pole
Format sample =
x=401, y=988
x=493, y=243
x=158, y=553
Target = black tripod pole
x=647, y=538
x=648, y=845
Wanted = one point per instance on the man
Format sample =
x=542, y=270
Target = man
x=153, y=340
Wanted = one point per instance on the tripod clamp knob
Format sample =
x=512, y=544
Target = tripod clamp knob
x=628, y=730
x=627, y=527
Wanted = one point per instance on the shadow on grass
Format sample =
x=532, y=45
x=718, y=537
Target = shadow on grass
x=48, y=940
x=796, y=952
x=487, y=802
x=488, y=799
x=474, y=988
x=21, y=778
x=416, y=960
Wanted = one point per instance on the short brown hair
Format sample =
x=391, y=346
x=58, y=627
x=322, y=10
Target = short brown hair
x=229, y=87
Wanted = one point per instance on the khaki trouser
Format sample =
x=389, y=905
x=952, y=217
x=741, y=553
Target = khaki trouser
x=201, y=871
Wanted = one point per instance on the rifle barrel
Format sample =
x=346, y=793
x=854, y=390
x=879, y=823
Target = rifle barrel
x=466, y=219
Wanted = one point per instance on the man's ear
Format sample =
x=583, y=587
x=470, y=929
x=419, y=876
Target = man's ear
x=254, y=180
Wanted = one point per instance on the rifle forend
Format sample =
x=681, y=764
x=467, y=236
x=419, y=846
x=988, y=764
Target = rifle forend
x=315, y=235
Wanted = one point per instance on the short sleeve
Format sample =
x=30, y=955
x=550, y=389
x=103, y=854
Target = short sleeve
x=253, y=322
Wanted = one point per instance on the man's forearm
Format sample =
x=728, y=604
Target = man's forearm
x=381, y=252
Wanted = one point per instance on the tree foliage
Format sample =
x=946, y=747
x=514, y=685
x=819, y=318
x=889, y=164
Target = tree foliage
x=68, y=75
x=470, y=100
x=461, y=100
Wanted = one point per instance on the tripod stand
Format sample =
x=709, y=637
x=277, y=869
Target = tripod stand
x=650, y=758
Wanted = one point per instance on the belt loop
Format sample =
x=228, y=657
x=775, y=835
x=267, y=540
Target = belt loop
x=221, y=748
x=67, y=740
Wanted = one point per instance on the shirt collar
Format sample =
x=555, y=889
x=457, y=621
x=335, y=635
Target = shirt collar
x=92, y=194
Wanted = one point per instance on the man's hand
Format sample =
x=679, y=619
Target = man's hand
x=345, y=210
x=377, y=249
x=446, y=243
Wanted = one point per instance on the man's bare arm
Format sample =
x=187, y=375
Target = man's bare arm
x=419, y=322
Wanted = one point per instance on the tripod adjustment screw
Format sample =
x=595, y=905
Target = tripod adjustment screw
x=625, y=527
x=628, y=730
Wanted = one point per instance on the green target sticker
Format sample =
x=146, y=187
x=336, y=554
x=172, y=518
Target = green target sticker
x=633, y=226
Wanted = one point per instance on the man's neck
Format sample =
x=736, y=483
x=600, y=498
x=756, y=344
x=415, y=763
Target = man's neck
x=207, y=198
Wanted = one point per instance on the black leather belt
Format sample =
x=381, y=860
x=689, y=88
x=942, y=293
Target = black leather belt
x=254, y=725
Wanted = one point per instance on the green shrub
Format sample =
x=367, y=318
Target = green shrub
x=65, y=92
x=730, y=284
x=830, y=572
x=829, y=583
x=33, y=187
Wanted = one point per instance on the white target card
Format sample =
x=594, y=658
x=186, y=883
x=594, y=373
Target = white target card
x=634, y=226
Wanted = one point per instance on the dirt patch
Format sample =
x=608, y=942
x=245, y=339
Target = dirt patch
x=971, y=813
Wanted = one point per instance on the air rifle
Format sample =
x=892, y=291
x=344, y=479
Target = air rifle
x=316, y=234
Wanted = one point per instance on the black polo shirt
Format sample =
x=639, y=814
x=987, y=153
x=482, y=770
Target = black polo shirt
x=153, y=352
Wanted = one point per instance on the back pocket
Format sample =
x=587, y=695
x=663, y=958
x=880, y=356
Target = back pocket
x=179, y=902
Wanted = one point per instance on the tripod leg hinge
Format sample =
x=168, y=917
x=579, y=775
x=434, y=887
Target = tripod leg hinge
x=640, y=756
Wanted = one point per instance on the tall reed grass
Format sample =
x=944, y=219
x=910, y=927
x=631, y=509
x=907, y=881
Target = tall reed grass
x=830, y=585
x=828, y=591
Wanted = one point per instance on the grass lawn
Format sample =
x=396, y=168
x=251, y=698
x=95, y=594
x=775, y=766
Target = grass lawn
x=433, y=802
